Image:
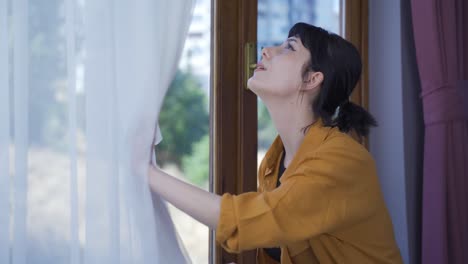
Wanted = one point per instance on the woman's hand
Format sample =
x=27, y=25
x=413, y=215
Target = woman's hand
x=153, y=172
x=198, y=203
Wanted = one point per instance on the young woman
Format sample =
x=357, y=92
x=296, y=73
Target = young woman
x=319, y=199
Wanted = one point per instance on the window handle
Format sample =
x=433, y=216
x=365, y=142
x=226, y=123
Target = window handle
x=250, y=63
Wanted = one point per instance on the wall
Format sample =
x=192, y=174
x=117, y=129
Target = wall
x=394, y=100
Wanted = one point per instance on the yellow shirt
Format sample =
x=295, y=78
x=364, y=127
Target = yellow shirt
x=328, y=209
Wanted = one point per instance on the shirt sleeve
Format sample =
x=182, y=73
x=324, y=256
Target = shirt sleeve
x=329, y=190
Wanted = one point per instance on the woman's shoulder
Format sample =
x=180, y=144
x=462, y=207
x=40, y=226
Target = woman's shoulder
x=337, y=155
x=339, y=141
x=330, y=141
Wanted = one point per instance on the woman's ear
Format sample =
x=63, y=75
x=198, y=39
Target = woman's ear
x=312, y=81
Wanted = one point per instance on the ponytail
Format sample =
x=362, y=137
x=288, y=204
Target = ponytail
x=350, y=116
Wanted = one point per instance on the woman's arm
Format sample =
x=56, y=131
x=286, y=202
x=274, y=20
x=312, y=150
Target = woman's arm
x=199, y=204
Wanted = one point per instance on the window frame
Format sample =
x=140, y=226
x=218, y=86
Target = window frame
x=234, y=110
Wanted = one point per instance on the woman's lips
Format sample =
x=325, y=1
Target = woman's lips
x=260, y=67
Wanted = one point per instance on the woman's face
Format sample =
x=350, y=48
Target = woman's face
x=279, y=73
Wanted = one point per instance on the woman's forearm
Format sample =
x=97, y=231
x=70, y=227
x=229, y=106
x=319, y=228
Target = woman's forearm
x=198, y=203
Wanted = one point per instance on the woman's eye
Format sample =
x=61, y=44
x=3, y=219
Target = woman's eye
x=288, y=46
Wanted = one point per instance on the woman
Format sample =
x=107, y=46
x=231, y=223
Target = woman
x=319, y=199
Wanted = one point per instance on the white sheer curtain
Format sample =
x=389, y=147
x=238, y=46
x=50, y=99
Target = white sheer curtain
x=81, y=86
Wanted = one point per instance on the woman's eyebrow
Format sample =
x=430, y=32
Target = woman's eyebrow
x=291, y=40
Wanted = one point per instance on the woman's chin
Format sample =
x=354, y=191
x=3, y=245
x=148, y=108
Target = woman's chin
x=254, y=85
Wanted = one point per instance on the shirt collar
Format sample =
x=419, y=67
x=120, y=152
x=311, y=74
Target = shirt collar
x=314, y=136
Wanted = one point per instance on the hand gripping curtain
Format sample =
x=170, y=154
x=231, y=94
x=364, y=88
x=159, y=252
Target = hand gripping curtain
x=441, y=41
x=81, y=86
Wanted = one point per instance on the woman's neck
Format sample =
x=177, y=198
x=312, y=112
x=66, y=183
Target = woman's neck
x=290, y=119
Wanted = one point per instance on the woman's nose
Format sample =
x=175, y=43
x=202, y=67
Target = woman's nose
x=269, y=52
x=266, y=52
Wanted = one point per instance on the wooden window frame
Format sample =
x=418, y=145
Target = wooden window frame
x=234, y=109
x=356, y=31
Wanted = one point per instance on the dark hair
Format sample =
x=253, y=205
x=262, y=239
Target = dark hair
x=340, y=63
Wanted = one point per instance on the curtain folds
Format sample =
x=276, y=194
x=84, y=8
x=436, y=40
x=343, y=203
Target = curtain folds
x=81, y=86
x=4, y=136
x=441, y=41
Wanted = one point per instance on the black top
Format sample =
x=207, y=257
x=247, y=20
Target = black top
x=275, y=253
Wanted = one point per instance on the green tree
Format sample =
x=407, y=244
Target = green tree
x=196, y=166
x=266, y=129
x=184, y=118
